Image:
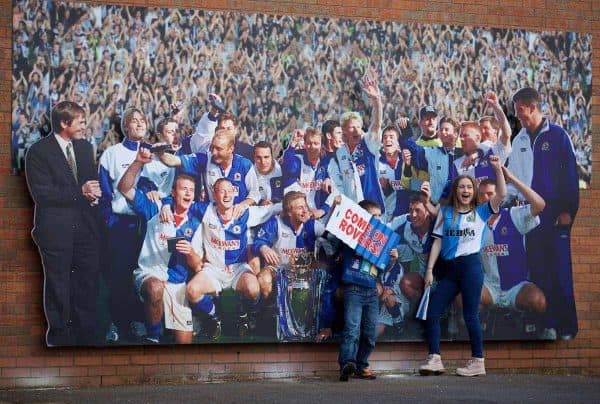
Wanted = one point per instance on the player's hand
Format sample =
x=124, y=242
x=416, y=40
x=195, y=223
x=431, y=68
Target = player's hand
x=184, y=247
x=394, y=253
x=426, y=188
x=317, y=213
x=153, y=196
x=495, y=163
x=564, y=219
x=297, y=138
x=428, y=280
x=324, y=334
x=336, y=201
x=469, y=160
x=327, y=186
x=390, y=300
x=369, y=84
x=270, y=256
x=91, y=191
x=508, y=176
x=406, y=156
x=143, y=155
x=492, y=99
x=166, y=214
x=384, y=182
x=238, y=210
x=402, y=122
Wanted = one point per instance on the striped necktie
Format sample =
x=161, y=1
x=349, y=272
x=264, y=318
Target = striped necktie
x=71, y=160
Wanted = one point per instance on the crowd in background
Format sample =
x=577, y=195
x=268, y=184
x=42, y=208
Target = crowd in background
x=278, y=73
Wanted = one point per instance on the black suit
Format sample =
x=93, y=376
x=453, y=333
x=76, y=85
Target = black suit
x=66, y=231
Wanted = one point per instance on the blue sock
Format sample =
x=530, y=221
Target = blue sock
x=204, y=305
x=153, y=330
x=394, y=310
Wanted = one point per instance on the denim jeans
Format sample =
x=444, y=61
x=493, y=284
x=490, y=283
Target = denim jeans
x=463, y=275
x=361, y=310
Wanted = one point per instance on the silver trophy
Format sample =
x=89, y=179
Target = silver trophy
x=298, y=298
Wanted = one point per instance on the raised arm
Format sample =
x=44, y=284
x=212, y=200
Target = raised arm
x=536, y=201
x=127, y=182
x=496, y=201
x=492, y=99
x=371, y=89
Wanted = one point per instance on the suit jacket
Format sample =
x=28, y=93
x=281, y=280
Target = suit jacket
x=60, y=207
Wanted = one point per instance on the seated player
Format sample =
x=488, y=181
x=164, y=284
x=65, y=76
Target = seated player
x=162, y=273
x=283, y=239
x=414, y=229
x=225, y=245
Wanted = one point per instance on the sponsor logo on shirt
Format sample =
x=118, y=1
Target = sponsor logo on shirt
x=460, y=232
x=225, y=245
x=496, y=250
x=293, y=251
x=308, y=186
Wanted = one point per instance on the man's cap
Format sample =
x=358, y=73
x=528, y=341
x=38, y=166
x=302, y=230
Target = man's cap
x=427, y=109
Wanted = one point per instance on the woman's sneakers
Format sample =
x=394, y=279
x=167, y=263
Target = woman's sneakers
x=474, y=367
x=432, y=366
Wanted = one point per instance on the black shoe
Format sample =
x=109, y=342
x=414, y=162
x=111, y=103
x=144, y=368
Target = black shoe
x=348, y=369
x=212, y=328
x=242, y=325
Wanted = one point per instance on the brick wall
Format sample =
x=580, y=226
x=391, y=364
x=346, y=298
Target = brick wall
x=24, y=361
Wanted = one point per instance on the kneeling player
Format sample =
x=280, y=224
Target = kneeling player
x=162, y=272
x=503, y=256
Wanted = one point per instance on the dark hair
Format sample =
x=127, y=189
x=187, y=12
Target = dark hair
x=65, y=111
x=367, y=204
x=527, y=95
x=162, y=124
x=264, y=145
x=487, y=181
x=393, y=129
x=451, y=121
x=329, y=126
x=417, y=197
x=183, y=177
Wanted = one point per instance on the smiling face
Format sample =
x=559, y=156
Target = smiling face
x=221, y=150
x=528, y=114
x=390, y=142
x=464, y=193
x=183, y=194
x=74, y=130
x=296, y=208
x=447, y=135
x=428, y=123
x=419, y=216
x=485, y=193
x=224, y=193
x=488, y=132
x=136, y=126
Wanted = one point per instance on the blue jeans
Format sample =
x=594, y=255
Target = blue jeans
x=463, y=275
x=361, y=310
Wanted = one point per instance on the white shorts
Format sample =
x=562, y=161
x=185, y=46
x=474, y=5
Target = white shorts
x=178, y=314
x=505, y=298
x=140, y=275
x=226, y=278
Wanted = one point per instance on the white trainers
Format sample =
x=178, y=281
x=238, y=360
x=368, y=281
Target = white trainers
x=474, y=367
x=433, y=366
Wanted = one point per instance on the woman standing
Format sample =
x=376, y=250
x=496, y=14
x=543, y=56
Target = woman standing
x=458, y=234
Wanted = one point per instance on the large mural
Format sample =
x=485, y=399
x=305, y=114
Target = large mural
x=218, y=138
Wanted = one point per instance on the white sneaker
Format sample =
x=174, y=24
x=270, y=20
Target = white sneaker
x=138, y=329
x=549, y=333
x=112, y=335
x=474, y=367
x=432, y=366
